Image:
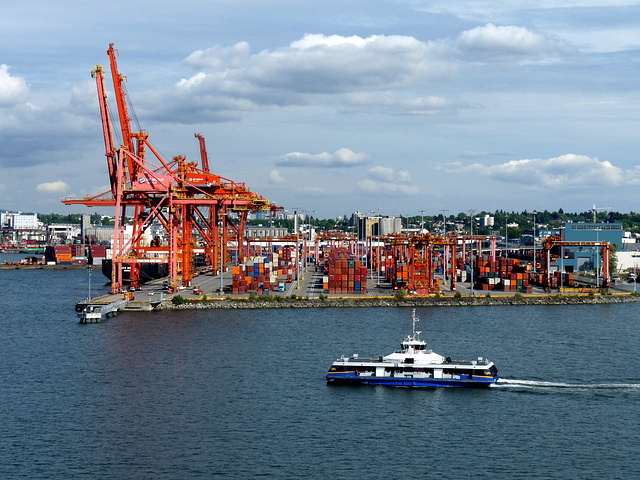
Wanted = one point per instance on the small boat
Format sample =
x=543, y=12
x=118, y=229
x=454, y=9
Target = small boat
x=413, y=365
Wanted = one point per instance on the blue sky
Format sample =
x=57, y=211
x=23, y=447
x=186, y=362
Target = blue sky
x=335, y=106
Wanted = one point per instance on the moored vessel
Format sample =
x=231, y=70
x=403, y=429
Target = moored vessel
x=413, y=365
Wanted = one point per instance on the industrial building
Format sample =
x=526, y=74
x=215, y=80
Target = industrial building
x=20, y=221
x=369, y=227
x=587, y=258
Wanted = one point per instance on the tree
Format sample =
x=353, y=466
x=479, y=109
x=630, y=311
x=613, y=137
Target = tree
x=613, y=258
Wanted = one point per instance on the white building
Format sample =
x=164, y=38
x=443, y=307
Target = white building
x=487, y=221
x=20, y=221
x=60, y=231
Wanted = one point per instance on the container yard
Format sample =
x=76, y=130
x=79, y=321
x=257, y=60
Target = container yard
x=204, y=249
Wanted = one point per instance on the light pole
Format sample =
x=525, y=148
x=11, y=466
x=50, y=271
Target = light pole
x=221, y=254
x=471, y=212
x=366, y=239
x=297, y=253
x=534, y=241
x=561, y=269
x=304, y=242
x=446, y=247
x=358, y=235
x=597, y=257
x=315, y=247
x=506, y=235
x=378, y=248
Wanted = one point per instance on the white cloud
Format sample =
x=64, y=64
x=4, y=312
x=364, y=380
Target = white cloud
x=316, y=68
x=602, y=40
x=52, y=187
x=390, y=74
x=13, y=90
x=566, y=172
x=386, y=102
x=507, y=9
x=385, y=180
x=341, y=158
x=218, y=57
x=276, y=177
x=491, y=41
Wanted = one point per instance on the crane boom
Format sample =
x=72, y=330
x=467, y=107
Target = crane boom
x=595, y=211
x=107, y=129
x=123, y=113
x=203, y=153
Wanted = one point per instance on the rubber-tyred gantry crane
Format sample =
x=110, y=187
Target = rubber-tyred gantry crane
x=188, y=201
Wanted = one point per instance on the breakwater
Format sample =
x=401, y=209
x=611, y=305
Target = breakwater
x=352, y=302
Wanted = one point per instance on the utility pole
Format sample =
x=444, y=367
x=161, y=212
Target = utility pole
x=378, y=247
x=534, y=241
x=446, y=247
x=471, y=212
x=506, y=235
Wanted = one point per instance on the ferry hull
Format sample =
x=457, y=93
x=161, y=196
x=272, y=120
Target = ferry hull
x=411, y=382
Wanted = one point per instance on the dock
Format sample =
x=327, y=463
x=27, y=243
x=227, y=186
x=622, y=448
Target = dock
x=94, y=311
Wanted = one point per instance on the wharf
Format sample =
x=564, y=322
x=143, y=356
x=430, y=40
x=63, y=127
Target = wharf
x=308, y=293
x=94, y=311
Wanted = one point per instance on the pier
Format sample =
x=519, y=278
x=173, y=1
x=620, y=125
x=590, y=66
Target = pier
x=95, y=310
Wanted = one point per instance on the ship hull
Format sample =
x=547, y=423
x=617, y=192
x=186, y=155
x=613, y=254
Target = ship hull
x=148, y=271
x=400, y=381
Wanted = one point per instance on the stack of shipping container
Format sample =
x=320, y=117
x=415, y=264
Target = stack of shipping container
x=75, y=253
x=504, y=274
x=264, y=272
x=285, y=255
x=345, y=274
x=253, y=276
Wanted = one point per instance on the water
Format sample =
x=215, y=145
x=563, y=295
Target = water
x=241, y=394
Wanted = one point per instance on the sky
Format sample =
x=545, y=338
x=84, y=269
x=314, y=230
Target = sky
x=328, y=107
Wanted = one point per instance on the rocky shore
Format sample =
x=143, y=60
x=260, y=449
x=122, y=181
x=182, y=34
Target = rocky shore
x=346, y=302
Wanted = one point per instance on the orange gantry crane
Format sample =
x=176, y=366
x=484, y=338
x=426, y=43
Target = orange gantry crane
x=554, y=241
x=191, y=203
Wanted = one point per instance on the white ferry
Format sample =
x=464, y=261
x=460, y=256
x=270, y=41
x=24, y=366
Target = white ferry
x=413, y=365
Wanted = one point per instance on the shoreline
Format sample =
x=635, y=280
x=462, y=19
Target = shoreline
x=583, y=299
x=39, y=266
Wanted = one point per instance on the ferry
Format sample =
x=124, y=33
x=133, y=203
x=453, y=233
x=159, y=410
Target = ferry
x=413, y=365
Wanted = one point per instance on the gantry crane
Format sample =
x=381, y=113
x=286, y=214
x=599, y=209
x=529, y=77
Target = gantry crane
x=551, y=242
x=185, y=199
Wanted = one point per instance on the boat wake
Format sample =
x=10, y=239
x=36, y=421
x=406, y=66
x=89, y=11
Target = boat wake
x=535, y=384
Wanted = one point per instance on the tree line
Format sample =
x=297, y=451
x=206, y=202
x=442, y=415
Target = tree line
x=524, y=220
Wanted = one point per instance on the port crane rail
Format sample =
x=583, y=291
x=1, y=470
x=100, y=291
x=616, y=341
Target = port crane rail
x=188, y=201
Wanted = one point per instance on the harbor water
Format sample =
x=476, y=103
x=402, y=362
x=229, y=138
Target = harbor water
x=239, y=394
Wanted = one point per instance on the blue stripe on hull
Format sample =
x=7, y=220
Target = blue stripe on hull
x=412, y=382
